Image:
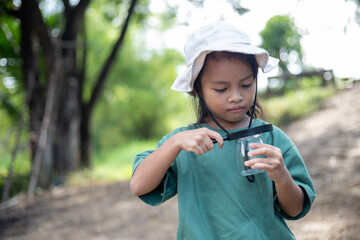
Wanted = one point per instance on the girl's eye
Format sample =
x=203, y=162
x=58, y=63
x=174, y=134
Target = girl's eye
x=220, y=90
x=247, y=85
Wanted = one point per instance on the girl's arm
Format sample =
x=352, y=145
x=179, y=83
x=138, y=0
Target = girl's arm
x=150, y=172
x=290, y=195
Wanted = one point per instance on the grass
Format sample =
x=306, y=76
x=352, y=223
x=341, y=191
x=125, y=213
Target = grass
x=20, y=172
x=115, y=165
x=21, y=164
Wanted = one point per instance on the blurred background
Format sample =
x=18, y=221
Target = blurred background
x=85, y=84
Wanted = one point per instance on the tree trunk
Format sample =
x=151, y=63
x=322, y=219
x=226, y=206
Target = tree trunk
x=35, y=97
x=68, y=130
x=45, y=130
x=67, y=124
x=88, y=108
x=61, y=153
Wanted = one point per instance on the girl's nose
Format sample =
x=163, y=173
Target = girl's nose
x=235, y=96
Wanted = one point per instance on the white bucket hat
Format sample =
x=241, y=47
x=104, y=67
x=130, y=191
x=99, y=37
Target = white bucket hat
x=218, y=36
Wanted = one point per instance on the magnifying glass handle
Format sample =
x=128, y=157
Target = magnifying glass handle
x=223, y=137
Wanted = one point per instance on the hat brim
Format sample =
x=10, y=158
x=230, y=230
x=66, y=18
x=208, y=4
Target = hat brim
x=182, y=83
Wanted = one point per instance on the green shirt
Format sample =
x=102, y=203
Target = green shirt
x=216, y=202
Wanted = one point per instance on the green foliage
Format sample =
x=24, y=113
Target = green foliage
x=11, y=100
x=21, y=169
x=9, y=36
x=22, y=165
x=10, y=68
x=19, y=184
x=281, y=38
x=137, y=102
x=297, y=103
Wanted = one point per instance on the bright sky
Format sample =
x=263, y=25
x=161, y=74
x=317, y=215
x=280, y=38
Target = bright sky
x=325, y=41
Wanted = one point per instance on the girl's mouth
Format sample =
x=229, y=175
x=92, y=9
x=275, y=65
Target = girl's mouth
x=236, y=109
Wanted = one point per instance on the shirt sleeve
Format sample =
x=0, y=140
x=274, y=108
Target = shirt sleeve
x=299, y=173
x=168, y=186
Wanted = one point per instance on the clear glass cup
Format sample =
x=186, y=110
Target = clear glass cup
x=242, y=154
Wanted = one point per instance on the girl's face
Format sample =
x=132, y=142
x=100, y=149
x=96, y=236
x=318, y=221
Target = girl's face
x=228, y=88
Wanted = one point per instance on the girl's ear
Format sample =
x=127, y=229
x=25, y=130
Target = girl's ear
x=196, y=91
x=193, y=93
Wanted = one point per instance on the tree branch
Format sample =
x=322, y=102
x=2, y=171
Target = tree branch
x=82, y=5
x=73, y=16
x=67, y=8
x=102, y=77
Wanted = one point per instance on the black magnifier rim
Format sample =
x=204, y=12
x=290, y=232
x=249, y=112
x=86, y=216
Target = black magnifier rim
x=250, y=131
x=247, y=132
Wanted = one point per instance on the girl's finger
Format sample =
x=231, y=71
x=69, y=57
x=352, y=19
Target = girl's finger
x=267, y=151
x=254, y=161
x=261, y=145
x=262, y=165
x=199, y=150
x=208, y=143
x=217, y=137
x=203, y=146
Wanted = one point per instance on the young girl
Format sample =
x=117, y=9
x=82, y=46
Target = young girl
x=215, y=200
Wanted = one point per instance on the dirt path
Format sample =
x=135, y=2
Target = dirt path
x=329, y=141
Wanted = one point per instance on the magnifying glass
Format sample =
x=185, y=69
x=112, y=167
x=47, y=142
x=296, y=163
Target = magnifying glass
x=247, y=132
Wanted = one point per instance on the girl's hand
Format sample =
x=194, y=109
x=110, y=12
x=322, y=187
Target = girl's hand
x=273, y=164
x=198, y=141
x=290, y=195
